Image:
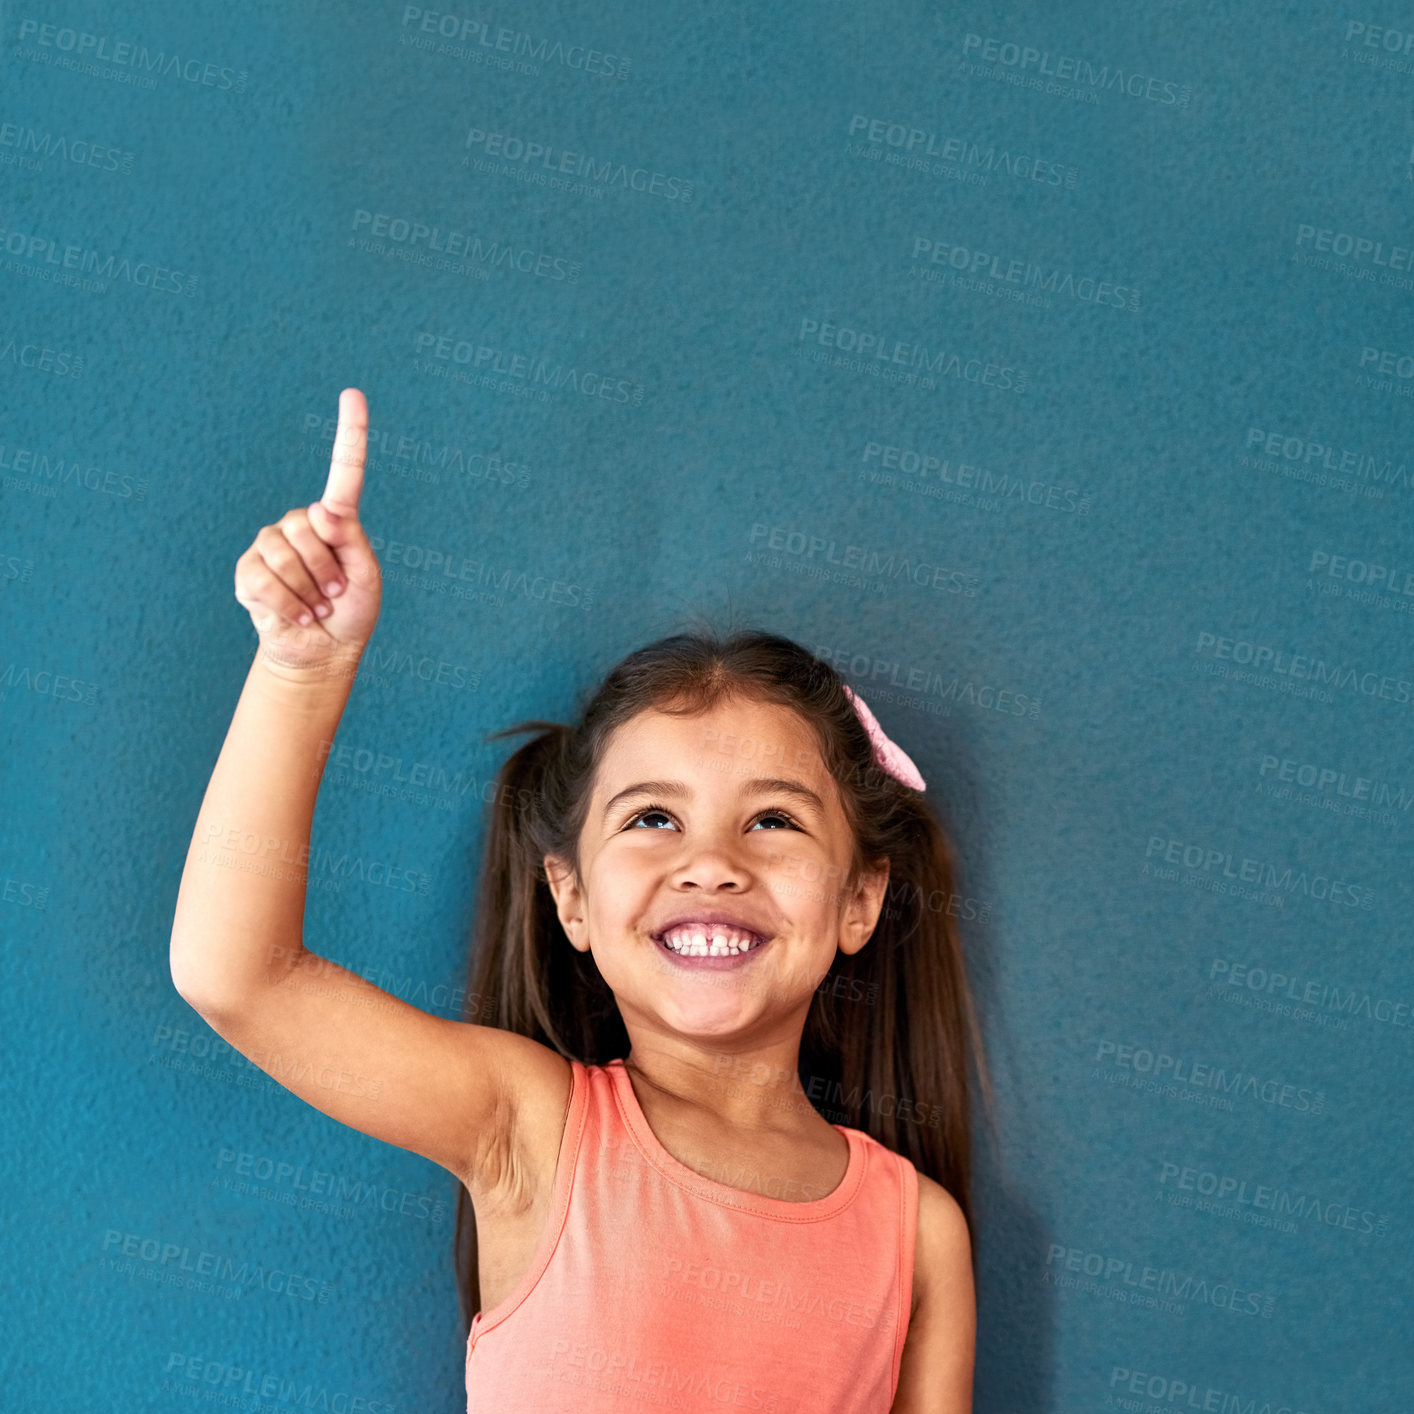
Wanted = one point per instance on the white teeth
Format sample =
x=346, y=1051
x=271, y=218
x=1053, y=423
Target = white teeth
x=701, y=941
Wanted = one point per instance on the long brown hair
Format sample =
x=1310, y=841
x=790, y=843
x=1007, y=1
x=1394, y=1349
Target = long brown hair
x=887, y=1039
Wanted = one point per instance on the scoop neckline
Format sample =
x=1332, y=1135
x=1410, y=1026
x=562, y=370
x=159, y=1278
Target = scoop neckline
x=808, y=1210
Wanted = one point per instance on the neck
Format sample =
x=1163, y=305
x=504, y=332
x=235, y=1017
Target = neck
x=745, y=1088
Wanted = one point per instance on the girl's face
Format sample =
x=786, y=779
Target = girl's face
x=726, y=816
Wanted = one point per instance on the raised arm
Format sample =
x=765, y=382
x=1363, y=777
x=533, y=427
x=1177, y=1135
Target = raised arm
x=440, y=1088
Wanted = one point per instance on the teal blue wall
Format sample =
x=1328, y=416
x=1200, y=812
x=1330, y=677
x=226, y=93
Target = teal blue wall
x=1046, y=368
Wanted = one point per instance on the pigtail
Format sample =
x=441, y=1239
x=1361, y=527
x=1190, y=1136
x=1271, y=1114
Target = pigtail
x=525, y=977
x=892, y=1029
x=513, y=901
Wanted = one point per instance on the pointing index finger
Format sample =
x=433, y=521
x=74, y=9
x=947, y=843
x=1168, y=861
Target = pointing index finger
x=341, y=491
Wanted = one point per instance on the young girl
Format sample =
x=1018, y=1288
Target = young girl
x=712, y=913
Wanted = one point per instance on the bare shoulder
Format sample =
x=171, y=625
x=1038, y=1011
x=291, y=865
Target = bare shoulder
x=534, y=1082
x=942, y=1251
x=935, y=1374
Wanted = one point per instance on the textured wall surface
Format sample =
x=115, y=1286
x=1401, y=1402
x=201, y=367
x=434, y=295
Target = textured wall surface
x=1047, y=368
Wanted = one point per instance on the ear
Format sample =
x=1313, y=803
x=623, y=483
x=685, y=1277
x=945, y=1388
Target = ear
x=569, y=900
x=862, y=908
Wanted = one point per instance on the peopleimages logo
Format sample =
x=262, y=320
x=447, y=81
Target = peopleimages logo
x=30, y=146
x=914, y=147
x=1361, y=248
x=224, y=1382
x=1234, y=1191
x=408, y=234
x=82, y=45
x=875, y=348
x=1331, y=782
x=447, y=566
x=887, y=565
x=1121, y=1276
x=1397, y=579
x=1263, y=658
x=39, y=254
x=413, y=456
x=59, y=362
x=1074, y=68
x=1343, y=461
x=548, y=158
x=1264, y=873
x=880, y=462
x=495, y=361
x=926, y=683
x=1228, y=975
x=1387, y=362
x=1181, y=1070
x=40, y=469
x=1015, y=270
x=1170, y=1392
x=465, y=37
x=122, y=1251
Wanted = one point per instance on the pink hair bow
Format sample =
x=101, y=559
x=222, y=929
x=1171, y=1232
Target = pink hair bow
x=891, y=757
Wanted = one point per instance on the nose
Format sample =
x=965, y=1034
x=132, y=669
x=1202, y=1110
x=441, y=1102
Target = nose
x=710, y=865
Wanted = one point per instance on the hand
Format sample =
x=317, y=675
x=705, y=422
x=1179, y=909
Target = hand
x=311, y=581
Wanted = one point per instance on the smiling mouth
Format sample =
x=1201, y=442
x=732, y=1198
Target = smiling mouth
x=714, y=941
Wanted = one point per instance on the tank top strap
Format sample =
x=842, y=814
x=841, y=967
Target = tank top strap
x=577, y=1139
x=908, y=1237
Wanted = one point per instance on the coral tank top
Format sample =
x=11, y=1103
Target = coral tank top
x=655, y=1286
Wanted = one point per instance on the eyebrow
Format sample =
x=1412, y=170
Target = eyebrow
x=759, y=785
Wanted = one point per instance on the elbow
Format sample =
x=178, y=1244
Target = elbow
x=214, y=985
x=197, y=980
x=194, y=989
x=214, y=1004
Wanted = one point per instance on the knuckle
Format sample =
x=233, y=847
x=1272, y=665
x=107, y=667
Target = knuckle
x=280, y=552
